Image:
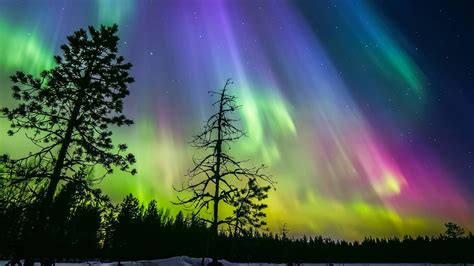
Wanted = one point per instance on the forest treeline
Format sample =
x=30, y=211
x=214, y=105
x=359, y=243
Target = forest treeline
x=89, y=227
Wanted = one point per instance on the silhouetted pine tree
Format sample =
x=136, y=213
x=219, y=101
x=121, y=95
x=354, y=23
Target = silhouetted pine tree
x=453, y=230
x=66, y=113
x=126, y=230
x=248, y=210
x=153, y=227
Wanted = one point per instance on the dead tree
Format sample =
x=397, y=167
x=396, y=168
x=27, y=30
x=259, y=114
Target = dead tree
x=216, y=177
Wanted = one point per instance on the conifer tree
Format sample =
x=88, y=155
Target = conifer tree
x=67, y=114
x=248, y=211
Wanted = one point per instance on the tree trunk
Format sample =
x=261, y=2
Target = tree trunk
x=58, y=167
x=42, y=226
x=217, y=175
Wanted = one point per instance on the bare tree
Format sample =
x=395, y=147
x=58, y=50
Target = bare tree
x=216, y=178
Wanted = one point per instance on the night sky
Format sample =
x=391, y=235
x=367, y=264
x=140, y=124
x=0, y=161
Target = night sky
x=362, y=110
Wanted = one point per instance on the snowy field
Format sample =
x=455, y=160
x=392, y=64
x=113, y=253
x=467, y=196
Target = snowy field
x=187, y=261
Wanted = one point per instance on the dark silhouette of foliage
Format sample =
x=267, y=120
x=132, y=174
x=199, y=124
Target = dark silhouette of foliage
x=73, y=227
x=248, y=211
x=151, y=233
x=67, y=113
x=214, y=178
x=453, y=230
x=124, y=231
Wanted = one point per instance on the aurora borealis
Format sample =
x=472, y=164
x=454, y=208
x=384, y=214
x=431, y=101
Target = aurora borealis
x=352, y=121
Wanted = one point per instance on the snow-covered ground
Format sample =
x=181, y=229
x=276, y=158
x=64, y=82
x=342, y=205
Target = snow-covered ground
x=187, y=261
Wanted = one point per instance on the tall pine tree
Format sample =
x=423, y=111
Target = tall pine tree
x=67, y=114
